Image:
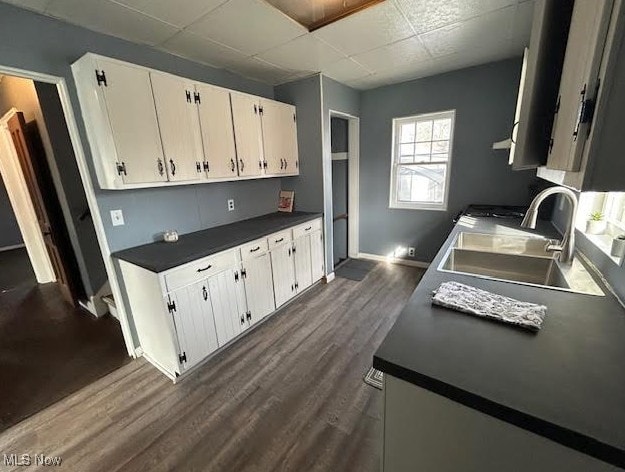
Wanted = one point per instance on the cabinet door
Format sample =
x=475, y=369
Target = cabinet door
x=230, y=320
x=259, y=287
x=283, y=273
x=279, y=137
x=179, y=126
x=194, y=322
x=133, y=123
x=247, y=134
x=289, y=130
x=302, y=260
x=316, y=255
x=217, y=132
x=578, y=84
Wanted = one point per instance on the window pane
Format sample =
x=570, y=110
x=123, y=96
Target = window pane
x=442, y=129
x=422, y=152
x=406, y=152
x=440, y=147
x=424, y=131
x=421, y=183
x=407, y=132
x=440, y=157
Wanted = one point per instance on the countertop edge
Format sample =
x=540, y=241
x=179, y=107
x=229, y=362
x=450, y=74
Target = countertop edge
x=120, y=255
x=559, y=434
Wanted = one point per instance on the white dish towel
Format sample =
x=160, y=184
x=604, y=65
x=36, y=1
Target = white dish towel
x=474, y=301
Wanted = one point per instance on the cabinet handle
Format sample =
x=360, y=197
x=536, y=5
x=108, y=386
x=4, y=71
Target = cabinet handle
x=580, y=112
x=260, y=165
x=281, y=163
x=286, y=164
x=242, y=164
x=159, y=166
x=232, y=165
x=279, y=240
x=173, y=167
x=204, y=293
x=205, y=268
x=257, y=248
x=308, y=229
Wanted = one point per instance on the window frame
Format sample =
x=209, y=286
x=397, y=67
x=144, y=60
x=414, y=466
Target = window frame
x=394, y=203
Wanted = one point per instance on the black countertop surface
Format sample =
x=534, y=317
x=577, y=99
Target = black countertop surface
x=160, y=256
x=566, y=382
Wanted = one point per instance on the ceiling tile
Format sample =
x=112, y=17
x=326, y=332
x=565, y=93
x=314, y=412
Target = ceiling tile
x=258, y=69
x=305, y=53
x=403, y=52
x=492, y=30
x=426, y=15
x=112, y=18
x=202, y=50
x=367, y=29
x=36, y=5
x=345, y=69
x=180, y=14
x=251, y=26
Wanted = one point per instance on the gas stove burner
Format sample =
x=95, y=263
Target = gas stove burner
x=495, y=211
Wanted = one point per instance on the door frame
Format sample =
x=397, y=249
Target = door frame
x=85, y=176
x=353, y=177
x=22, y=204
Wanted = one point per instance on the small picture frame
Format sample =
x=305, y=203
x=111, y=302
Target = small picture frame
x=285, y=201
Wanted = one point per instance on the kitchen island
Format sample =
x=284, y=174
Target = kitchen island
x=468, y=394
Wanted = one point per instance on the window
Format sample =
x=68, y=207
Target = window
x=421, y=159
x=612, y=206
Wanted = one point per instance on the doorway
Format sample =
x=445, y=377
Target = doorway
x=339, y=142
x=51, y=346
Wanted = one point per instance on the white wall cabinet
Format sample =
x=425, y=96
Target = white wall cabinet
x=184, y=314
x=147, y=128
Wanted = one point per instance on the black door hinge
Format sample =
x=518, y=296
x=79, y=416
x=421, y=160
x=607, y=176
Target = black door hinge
x=264, y=164
x=244, y=273
x=196, y=97
x=294, y=118
x=296, y=285
x=206, y=166
x=171, y=306
x=236, y=276
x=100, y=77
x=260, y=109
x=249, y=316
x=182, y=357
x=121, y=168
x=188, y=96
x=294, y=248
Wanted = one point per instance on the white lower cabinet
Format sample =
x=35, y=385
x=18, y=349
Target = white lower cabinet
x=184, y=314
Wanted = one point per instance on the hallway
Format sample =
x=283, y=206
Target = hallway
x=48, y=349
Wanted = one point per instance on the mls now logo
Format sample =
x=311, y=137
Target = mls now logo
x=24, y=460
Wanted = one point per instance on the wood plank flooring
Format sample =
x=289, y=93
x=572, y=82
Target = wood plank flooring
x=288, y=396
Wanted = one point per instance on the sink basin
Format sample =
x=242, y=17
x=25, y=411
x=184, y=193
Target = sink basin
x=505, y=244
x=516, y=259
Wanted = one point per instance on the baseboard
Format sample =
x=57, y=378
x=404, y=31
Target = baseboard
x=329, y=278
x=10, y=248
x=394, y=260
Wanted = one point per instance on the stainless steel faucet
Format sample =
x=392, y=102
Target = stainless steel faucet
x=566, y=248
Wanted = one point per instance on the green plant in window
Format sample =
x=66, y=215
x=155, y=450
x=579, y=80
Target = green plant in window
x=596, y=216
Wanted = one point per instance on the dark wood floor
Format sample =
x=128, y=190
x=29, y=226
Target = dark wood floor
x=15, y=270
x=48, y=349
x=289, y=396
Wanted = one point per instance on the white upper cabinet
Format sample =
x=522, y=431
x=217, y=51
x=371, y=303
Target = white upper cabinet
x=217, y=133
x=179, y=126
x=579, y=83
x=147, y=128
x=131, y=140
x=248, y=134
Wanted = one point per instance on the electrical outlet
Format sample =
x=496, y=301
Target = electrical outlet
x=230, y=204
x=411, y=252
x=117, y=217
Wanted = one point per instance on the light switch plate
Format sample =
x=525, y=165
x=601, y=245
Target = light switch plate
x=230, y=204
x=117, y=217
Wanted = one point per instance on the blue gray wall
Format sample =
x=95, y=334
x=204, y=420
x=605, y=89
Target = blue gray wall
x=10, y=234
x=37, y=43
x=484, y=98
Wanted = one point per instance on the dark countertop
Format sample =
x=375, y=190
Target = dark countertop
x=161, y=256
x=566, y=382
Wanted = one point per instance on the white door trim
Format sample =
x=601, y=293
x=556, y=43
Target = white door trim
x=22, y=204
x=353, y=171
x=81, y=160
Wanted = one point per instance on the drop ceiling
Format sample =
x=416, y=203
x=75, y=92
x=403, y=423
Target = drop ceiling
x=390, y=42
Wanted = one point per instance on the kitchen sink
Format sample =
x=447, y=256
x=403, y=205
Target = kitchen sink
x=516, y=259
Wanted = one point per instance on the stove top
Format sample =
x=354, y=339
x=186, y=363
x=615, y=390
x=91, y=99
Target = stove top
x=496, y=211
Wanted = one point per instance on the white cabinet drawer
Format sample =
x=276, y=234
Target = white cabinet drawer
x=200, y=269
x=255, y=248
x=281, y=237
x=306, y=228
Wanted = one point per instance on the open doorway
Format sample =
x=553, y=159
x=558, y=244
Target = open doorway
x=339, y=142
x=51, y=345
